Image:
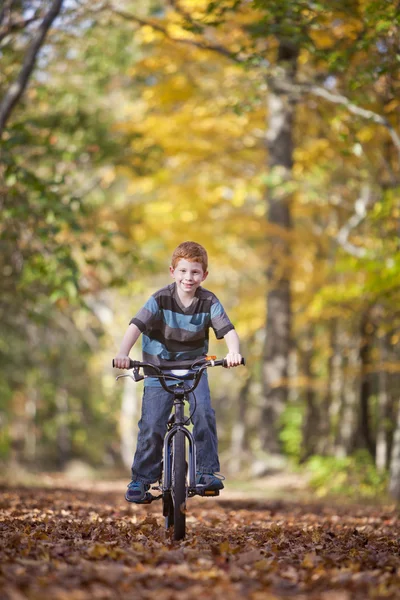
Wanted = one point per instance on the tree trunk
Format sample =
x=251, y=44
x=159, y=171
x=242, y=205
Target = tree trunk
x=364, y=436
x=63, y=432
x=382, y=441
x=280, y=162
x=30, y=412
x=347, y=422
x=311, y=417
x=330, y=403
x=394, y=482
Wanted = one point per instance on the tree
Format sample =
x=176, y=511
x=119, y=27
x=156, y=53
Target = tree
x=13, y=19
x=62, y=241
x=270, y=39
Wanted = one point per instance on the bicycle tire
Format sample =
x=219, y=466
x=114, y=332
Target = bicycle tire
x=168, y=505
x=168, y=510
x=179, y=485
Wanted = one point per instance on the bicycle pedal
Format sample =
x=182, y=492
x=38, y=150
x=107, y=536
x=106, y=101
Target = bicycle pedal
x=202, y=492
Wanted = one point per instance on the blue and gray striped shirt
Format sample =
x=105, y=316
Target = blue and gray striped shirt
x=172, y=331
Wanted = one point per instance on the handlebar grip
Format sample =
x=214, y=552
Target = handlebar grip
x=242, y=362
x=131, y=363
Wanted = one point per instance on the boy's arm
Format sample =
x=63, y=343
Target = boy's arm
x=233, y=358
x=121, y=361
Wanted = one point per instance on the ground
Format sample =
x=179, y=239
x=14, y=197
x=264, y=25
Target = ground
x=64, y=541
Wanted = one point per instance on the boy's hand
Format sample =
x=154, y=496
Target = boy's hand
x=121, y=361
x=233, y=359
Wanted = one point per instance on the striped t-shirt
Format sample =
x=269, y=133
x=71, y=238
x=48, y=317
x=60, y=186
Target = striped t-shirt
x=172, y=331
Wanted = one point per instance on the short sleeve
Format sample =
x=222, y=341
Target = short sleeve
x=147, y=315
x=219, y=320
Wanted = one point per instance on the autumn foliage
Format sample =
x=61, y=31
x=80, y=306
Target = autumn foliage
x=266, y=130
x=66, y=544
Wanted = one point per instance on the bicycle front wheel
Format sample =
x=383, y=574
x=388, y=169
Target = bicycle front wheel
x=168, y=510
x=179, y=485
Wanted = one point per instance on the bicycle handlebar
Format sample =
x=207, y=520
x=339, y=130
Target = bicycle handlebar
x=165, y=371
x=172, y=365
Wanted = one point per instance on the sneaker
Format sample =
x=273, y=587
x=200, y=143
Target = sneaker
x=210, y=481
x=137, y=492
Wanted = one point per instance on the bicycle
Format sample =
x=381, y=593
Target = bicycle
x=178, y=476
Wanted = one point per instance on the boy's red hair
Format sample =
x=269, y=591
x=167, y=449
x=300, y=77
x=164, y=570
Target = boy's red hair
x=190, y=251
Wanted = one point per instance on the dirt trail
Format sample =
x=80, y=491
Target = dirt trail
x=80, y=544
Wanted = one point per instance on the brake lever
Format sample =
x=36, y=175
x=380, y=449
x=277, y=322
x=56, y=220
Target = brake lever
x=127, y=375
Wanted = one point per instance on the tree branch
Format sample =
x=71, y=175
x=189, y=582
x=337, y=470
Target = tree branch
x=357, y=110
x=280, y=84
x=342, y=237
x=17, y=26
x=190, y=42
x=17, y=88
x=6, y=9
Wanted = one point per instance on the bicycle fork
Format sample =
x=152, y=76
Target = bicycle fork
x=179, y=425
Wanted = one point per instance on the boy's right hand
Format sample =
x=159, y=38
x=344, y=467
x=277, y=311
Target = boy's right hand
x=121, y=361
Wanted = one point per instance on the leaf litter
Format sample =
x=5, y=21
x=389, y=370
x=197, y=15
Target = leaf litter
x=66, y=544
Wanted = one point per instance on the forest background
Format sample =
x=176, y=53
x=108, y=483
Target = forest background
x=267, y=131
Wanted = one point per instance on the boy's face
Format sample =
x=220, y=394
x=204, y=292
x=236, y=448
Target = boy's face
x=188, y=276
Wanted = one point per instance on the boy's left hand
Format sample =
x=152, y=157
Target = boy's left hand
x=233, y=359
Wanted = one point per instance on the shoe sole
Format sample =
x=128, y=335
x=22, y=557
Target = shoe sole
x=144, y=500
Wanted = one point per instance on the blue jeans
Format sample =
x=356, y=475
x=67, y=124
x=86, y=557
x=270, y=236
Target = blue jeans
x=156, y=409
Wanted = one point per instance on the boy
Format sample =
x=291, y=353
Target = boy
x=175, y=322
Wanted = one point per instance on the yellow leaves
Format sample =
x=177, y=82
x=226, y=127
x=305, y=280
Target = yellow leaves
x=240, y=194
x=148, y=34
x=366, y=134
x=312, y=153
x=159, y=210
x=144, y=185
x=188, y=216
x=175, y=89
x=341, y=293
x=260, y=209
x=197, y=8
x=323, y=39
x=392, y=105
x=346, y=27
x=337, y=26
x=176, y=31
